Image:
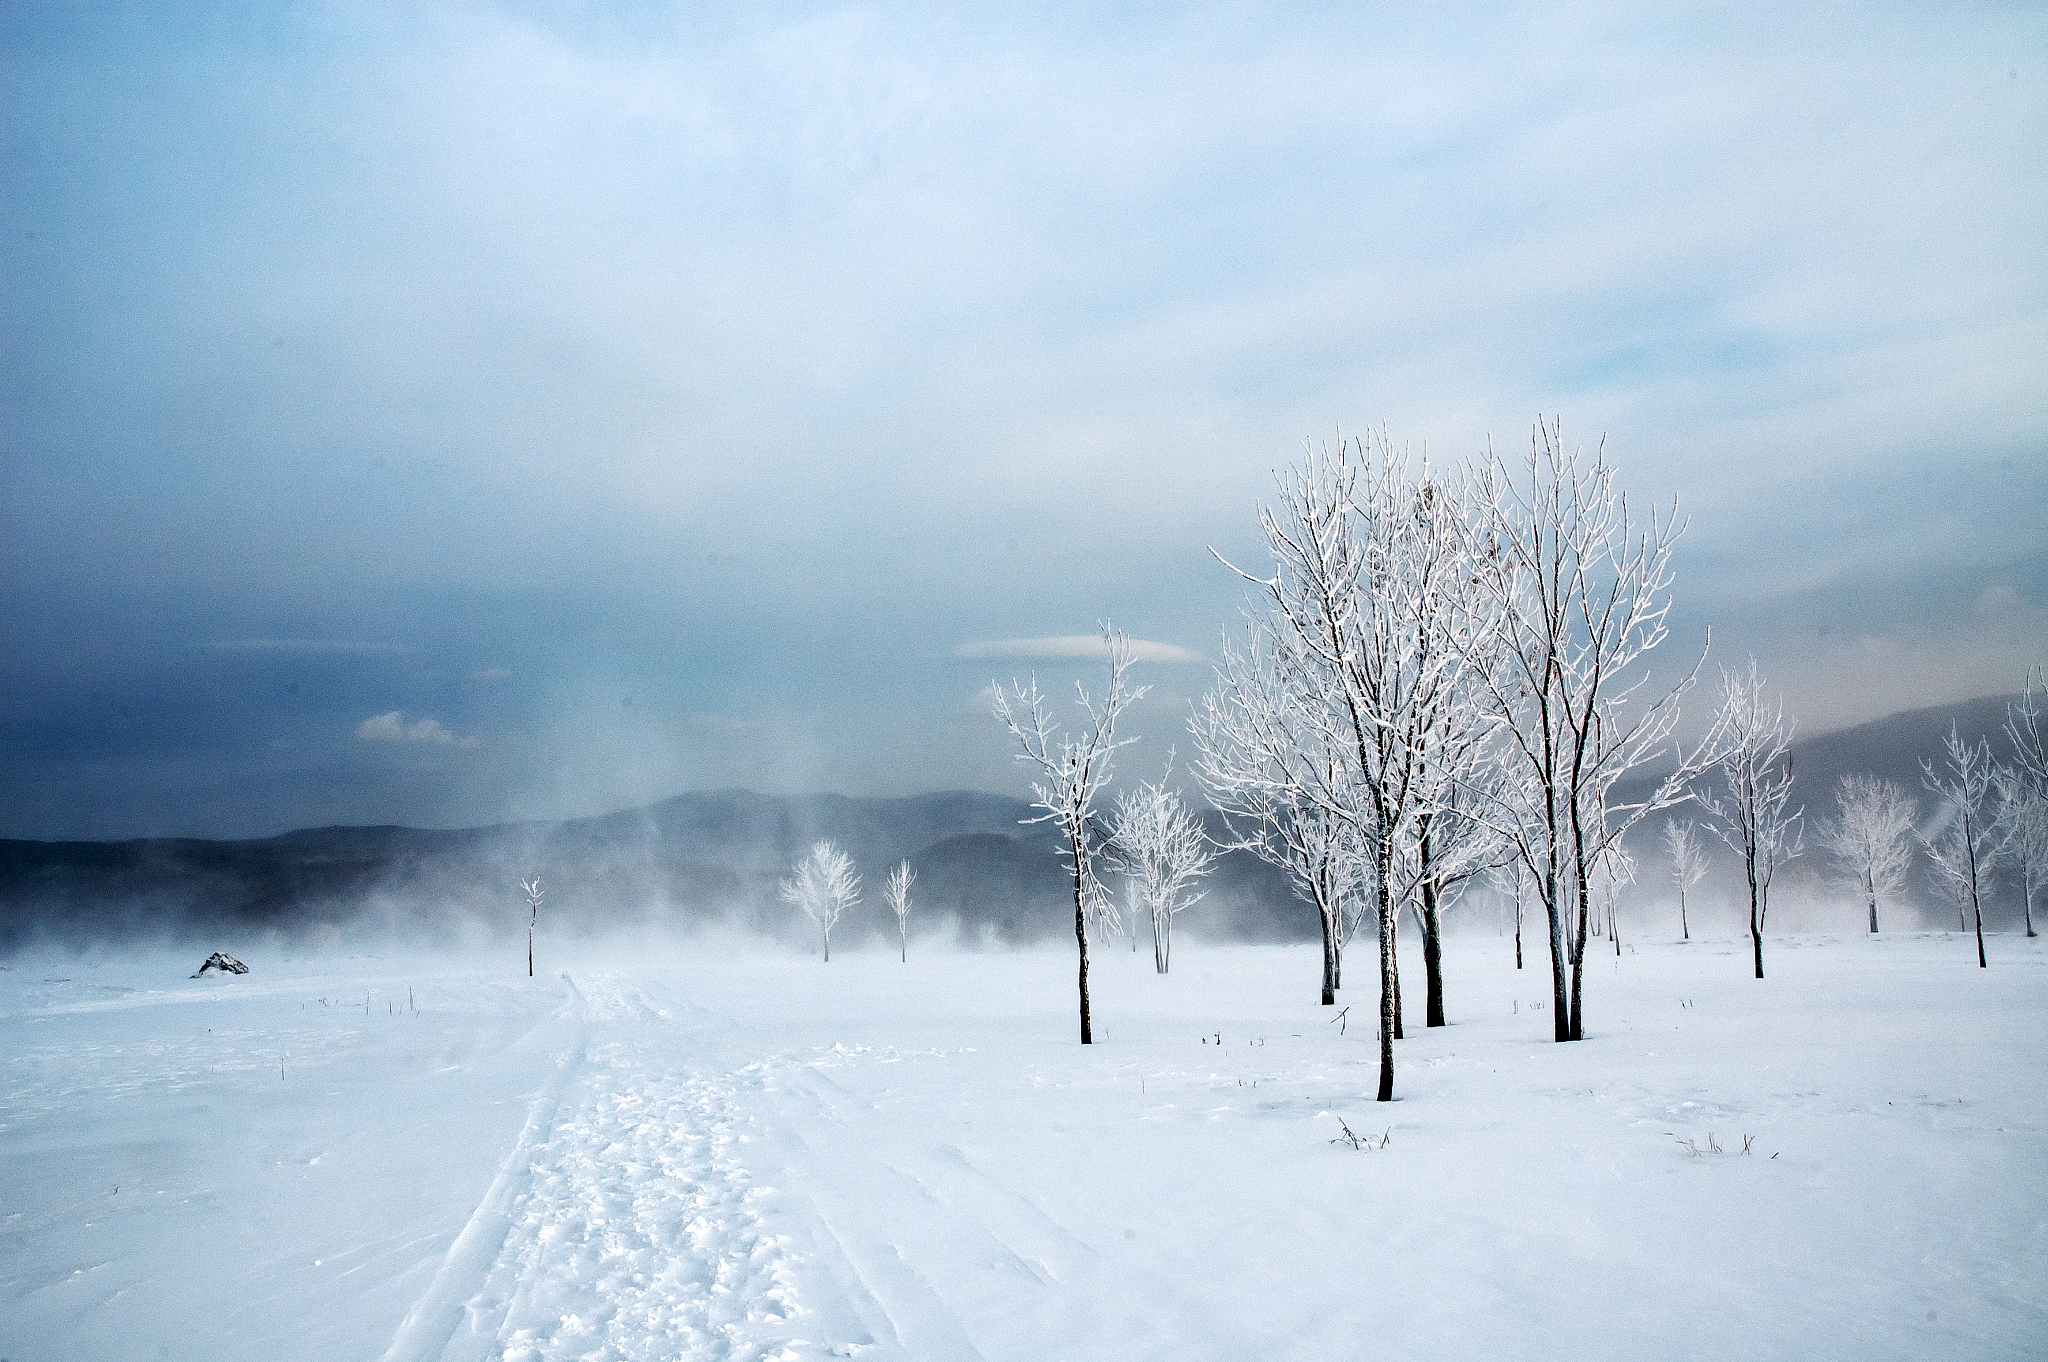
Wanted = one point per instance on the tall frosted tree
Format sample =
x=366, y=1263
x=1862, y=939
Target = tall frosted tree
x=1072, y=770
x=1962, y=846
x=1581, y=588
x=1870, y=838
x=1752, y=811
x=1271, y=774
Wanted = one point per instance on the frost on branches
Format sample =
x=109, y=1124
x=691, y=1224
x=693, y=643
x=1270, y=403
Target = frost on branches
x=1964, y=840
x=1164, y=852
x=1870, y=838
x=1688, y=865
x=1072, y=771
x=897, y=891
x=824, y=886
x=1580, y=589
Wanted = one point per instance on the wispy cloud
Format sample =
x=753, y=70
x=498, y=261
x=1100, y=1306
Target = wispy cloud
x=392, y=728
x=305, y=645
x=1074, y=645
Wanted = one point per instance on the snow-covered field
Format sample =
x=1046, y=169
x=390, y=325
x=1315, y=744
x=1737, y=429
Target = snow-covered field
x=684, y=1153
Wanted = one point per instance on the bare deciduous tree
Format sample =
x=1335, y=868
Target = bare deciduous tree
x=1870, y=838
x=1582, y=593
x=1753, y=813
x=1688, y=864
x=1254, y=757
x=2023, y=834
x=1366, y=651
x=1965, y=840
x=824, y=886
x=2023, y=791
x=533, y=896
x=1073, y=772
x=1509, y=879
x=1164, y=852
x=896, y=889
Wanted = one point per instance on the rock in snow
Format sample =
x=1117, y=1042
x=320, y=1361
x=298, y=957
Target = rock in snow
x=223, y=962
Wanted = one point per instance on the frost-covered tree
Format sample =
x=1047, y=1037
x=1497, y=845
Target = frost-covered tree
x=1363, y=623
x=824, y=886
x=1966, y=837
x=1164, y=853
x=1072, y=773
x=2023, y=794
x=533, y=897
x=1270, y=773
x=1688, y=864
x=896, y=889
x=1581, y=593
x=1509, y=880
x=1870, y=839
x=2022, y=827
x=1752, y=812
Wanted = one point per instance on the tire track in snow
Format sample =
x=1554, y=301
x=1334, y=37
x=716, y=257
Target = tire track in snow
x=432, y=1328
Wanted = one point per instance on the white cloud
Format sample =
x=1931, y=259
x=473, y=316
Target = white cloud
x=1074, y=645
x=392, y=728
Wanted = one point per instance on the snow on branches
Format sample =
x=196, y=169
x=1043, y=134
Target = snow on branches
x=1073, y=768
x=824, y=886
x=1871, y=837
x=1164, y=852
x=1752, y=814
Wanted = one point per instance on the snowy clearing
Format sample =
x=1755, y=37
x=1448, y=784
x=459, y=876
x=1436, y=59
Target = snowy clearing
x=684, y=1154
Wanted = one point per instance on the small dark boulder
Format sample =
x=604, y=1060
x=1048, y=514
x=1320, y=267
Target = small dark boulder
x=226, y=964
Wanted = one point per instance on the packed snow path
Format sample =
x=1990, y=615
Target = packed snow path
x=769, y=1157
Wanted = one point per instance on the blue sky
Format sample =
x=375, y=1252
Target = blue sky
x=657, y=398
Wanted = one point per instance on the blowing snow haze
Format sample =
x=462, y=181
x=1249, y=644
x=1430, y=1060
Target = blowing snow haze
x=451, y=415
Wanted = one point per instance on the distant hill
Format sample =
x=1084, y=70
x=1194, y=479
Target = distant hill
x=713, y=859
x=698, y=859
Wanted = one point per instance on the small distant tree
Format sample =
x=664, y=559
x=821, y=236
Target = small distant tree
x=533, y=893
x=824, y=886
x=1966, y=838
x=1688, y=864
x=1073, y=771
x=897, y=891
x=1871, y=838
x=1164, y=852
x=1752, y=813
x=1508, y=881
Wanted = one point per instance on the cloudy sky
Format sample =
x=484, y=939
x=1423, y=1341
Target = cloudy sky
x=447, y=413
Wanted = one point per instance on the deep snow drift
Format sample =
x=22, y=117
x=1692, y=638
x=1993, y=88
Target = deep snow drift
x=706, y=1155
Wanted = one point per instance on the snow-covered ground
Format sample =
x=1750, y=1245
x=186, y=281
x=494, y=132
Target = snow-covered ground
x=693, y=1153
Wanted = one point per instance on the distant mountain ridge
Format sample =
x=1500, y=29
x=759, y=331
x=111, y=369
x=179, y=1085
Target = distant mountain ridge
x=704, y=858
x=714, y=858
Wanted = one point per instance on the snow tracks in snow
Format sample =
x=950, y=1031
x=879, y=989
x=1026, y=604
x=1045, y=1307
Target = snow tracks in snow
x=629, y=1228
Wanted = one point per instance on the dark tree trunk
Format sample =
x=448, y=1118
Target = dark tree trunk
x=1329, y=958
x=1394, y=957
x=1976, y=907
x=1390, y=995
x=1518, y=926
x=1432, y=947
x=1081, y=936
x=1870, y=888
x=1756, y=934
x=1684, y=930
x=529, y=952
x=1432, y=962
x=1560, y=1001
x=1578, y=1026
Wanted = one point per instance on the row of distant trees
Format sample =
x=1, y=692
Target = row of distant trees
x=1989, y=812
x=1442, y=677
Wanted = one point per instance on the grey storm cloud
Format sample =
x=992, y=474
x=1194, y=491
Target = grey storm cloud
x=566, y=374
